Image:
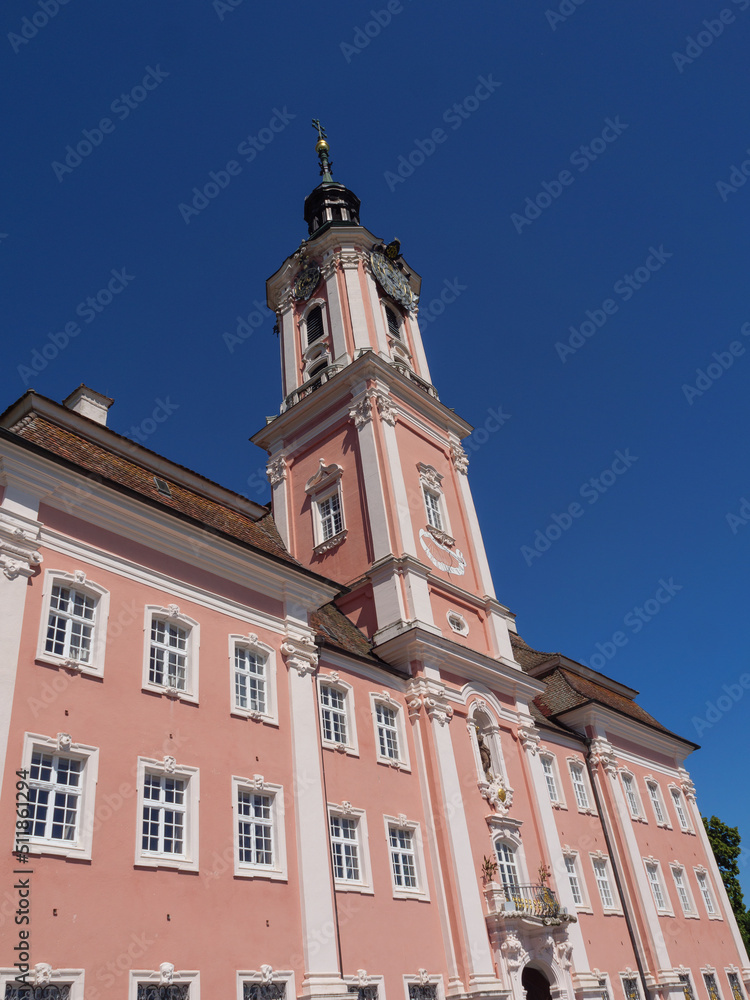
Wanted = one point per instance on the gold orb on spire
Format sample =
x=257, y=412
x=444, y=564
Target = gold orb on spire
x=321, y=146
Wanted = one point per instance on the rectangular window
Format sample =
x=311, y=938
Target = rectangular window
x=55, y=787
x=602, y=881
x=331, y=519
x=680, y=810
x=630, y=988
x=628, y=784
x=604, y=989
x=579, y=786
x=403, y=859
x=653, y=791
x=711, y=987
x=575, y=885
x=345, y=848
x=70, y=626
x=255, y=821
x=549, y=777
x=656, y=887
x=687, y=986
x=387, y=724
x=736, y=986
x=333, y=714
x=432, y=506
x=368, y=992
x=679, y=881
x=706, y=893
x=249, y=680
x=168, y=658
x=152, y=991
x=422, y=991
x=164, y=810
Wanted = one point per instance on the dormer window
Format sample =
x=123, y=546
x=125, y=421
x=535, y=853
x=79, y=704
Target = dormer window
x=394, y=327
x=314, y=325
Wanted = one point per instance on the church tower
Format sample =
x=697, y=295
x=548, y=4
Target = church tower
x=368, y=473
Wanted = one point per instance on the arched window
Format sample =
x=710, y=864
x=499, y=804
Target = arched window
x=317, y=368
x=506, y=865
x=394, y=327
x=314, y=325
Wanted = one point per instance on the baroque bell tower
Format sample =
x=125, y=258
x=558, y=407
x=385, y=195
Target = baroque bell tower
x=368, y=473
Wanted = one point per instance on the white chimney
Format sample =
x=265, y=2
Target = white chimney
x=89, y=403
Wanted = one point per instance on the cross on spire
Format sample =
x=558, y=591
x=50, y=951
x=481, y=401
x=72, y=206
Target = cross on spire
x=321, y=148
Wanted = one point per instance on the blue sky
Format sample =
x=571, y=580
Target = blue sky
x=598, y=181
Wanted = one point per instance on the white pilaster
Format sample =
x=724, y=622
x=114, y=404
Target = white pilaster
x=319, y=938
x=19, y=538
x=277, y=472
x=529, y=739
x=288, y=337
x=476, y=940
x=423, y=369
x=361, y=414
x=335, y=311
x=350, y=267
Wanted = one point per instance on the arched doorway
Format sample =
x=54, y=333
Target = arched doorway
x=536, y=984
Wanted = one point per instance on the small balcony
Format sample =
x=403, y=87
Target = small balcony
x=319, y=379
x=537, y=903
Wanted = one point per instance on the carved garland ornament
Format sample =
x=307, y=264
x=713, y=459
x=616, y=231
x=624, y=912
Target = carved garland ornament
x=276, y=471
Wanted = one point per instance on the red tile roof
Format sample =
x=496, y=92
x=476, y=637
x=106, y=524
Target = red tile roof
x=108, y=467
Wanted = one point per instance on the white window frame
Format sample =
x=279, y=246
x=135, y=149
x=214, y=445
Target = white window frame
x=168, y=767
x=627, y=777
x=571, y=855
x=257, y=785
x=680, y=808
x=252, y=643
x=630, y=974
x=364, y=883
x=576, y=764
x=653, y=789
x=734, y=971
x=62, y=746
x=285, y=976
x=709, y=970
x=598, y=857
x=679, y=875
x=76, y=581
x=308, y=350
x=321, y=487
x=656, y=881
x=456, y=622
x=401, y=762
x=703, y=879
x=333, y=680
x=138, y=976
x=171, y=615
x=421, y=891
x=431, y=481
x=58, y=977
x=554, y=774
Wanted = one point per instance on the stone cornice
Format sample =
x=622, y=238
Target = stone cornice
x=336, y=392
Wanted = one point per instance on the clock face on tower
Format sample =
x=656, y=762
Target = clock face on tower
x=306, y=282
x=391, y=280
x=449, y=560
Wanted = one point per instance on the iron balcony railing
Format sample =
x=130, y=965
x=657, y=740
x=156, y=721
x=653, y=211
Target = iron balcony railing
x=311, y=385
x=532, y=900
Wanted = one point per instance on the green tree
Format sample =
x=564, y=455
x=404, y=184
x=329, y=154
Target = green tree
x=725, y=843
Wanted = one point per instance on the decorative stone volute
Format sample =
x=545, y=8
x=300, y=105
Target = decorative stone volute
x=602, y=754
x=429, y=695
x=18, y=549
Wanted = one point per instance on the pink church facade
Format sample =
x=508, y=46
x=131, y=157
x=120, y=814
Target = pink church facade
x=308, y=754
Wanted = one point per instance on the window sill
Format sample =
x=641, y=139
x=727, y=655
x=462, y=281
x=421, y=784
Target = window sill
x=715, y=916
x=664, y=826
x=559, y=805
x=272, y=874
x=343, y=748
x=584, y=909
x=247, y=713
x=411, y=894
x=588, y=811
x=397, y=765
x=172, y=693
x=44, y=847
x=330, y=543
x=341, y=885
x=74, y=666
x=691, y=916
x=166, y=861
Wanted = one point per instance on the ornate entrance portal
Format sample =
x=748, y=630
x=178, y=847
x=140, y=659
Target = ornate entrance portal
x=536, y=984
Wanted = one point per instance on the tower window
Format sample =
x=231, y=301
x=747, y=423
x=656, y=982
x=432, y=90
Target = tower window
x=394, y=327
x=314, y=325
x=317, y=369
x=432, y=505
